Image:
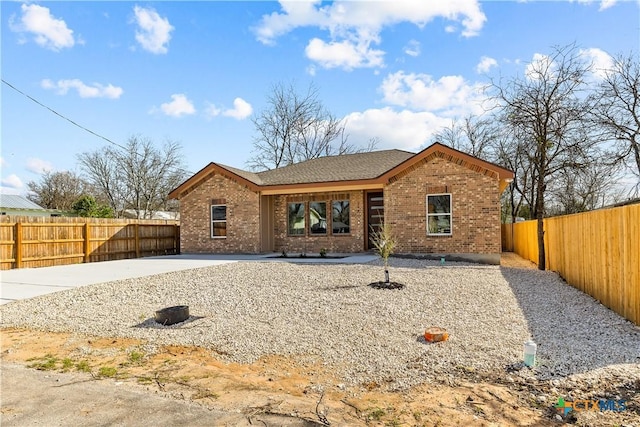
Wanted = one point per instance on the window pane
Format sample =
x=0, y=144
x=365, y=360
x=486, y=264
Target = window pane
x=439, y=214
x=340, y=217
x=219, y=229
x=439, y=204
x=296, y=218
x=218, y=213
x=318, y=217
x=440, y=224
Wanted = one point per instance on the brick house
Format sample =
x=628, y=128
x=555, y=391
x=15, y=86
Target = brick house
x=438, y=202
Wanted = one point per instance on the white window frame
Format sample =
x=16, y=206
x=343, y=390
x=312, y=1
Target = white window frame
x=219, y=220
x=437, y=214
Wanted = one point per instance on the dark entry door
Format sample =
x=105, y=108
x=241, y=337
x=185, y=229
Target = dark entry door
x=375, y=215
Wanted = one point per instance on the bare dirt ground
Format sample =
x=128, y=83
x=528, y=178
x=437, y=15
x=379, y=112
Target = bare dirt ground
x=276, y=390
x=274, y=386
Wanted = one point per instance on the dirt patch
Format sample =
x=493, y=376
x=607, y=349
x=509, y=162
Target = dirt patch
x=513, y=260
x=299, y=387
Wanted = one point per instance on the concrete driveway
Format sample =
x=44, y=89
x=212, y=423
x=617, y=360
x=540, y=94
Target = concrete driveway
x=30, y=282
x=26, y=283
x=43, y=398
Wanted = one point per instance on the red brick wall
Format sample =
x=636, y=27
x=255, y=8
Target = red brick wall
x=353, y=242
x=243, y=209
x=475, y=219
x=475, y=207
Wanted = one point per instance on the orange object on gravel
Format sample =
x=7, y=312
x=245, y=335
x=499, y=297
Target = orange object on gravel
x=435, y=334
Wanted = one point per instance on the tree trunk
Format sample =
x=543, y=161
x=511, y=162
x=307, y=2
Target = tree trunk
x=541, y=251
x=540, y=218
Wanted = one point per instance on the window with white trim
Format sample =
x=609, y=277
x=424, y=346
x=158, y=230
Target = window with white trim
x=439, y=215
x=218, y=221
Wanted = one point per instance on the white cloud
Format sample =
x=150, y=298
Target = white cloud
x=485, y=64
x=154, y=31
x=540, y=65
x=212, y=110
x=344, y=54
x=606, y=4
x=600, y=59
x=13, y=182
x=3, y=162
x=296, y=14
x=448, y=96
x=178, y=107
x=48, y=32
x=354, y=26
x=543, y=64
x=412, y=48
x=39, y=166
x=241, y=109
x=96, y=90
x=404, y=129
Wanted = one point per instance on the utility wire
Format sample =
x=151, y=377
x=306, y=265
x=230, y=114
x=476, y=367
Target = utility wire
x=76, y=124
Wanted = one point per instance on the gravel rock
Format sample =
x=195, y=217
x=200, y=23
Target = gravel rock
x=246, y=310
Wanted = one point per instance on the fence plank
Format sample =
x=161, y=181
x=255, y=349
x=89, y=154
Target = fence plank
x=42, y=241
x=597, y=252
x=18, y=245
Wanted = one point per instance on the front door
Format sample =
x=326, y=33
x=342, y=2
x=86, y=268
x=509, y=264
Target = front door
x=375, y=216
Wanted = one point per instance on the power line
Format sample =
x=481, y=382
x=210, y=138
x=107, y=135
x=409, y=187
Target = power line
x=77, y=124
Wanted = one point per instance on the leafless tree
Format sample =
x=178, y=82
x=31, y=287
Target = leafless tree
x=580, y=190
x=618, y=112
x=472, y=135
x=138, y=176
x=295, y=127
x=104, y=175
x=545, y=110
x=57, y=190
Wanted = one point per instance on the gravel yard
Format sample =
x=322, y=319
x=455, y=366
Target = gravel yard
x=246, y=310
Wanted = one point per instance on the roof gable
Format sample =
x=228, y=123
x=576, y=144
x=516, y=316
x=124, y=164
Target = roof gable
x=376, y=167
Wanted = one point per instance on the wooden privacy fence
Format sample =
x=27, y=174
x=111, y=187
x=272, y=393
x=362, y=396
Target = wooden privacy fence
x=42, y=241
x=597, y=252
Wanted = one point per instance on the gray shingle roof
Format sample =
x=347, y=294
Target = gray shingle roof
x=10, y=201
x=346, y=167
x=249, y=176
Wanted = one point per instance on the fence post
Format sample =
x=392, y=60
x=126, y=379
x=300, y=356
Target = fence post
x=86, y=243
x=18, y=244
x=176, y=238
x=136, y=233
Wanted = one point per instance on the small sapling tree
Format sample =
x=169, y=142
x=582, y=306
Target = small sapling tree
x=385, y=244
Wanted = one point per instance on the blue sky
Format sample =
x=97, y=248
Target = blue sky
x=195, y=72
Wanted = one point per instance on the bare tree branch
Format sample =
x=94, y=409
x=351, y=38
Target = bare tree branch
x=546, y=111
x=57, y=190
x=139, y=177
x=296, y=127
x=618, y=112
